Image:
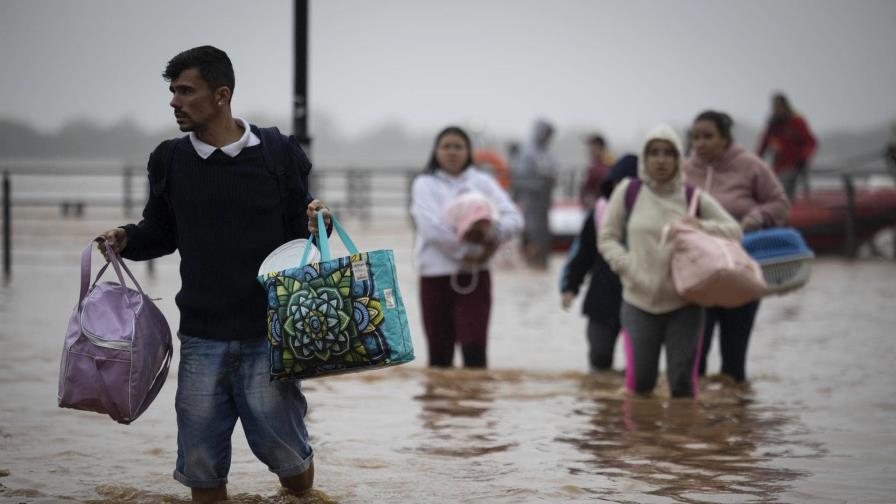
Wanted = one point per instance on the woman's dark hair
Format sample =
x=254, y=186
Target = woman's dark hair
x=774, y=119
x=596, y=140
x=213, y=64
x=783, y=100
x=433, y=164
x=722, y=121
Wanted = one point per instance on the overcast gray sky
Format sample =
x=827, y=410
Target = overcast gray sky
x=617, y=66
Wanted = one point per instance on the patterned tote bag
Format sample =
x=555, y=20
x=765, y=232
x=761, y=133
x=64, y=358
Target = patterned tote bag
x=337, y=315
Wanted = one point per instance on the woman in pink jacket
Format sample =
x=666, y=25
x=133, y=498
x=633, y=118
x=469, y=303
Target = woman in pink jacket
x=748, y=189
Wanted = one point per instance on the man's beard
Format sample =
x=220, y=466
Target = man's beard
x=191, y=127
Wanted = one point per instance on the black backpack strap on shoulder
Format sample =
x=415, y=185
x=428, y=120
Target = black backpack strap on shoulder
x=275, y=151
x=160, y=164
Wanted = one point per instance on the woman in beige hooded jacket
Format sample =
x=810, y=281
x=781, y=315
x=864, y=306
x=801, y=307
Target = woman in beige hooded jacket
x=653, y=313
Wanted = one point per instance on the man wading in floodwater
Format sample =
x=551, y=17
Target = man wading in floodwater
x=215, y=200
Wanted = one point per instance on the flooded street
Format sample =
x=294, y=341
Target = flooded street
x=817, y=423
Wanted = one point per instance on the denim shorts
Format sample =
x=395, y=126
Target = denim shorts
x=220, y=381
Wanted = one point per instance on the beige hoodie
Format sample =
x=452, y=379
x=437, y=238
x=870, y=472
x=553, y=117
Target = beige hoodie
x=644, y=265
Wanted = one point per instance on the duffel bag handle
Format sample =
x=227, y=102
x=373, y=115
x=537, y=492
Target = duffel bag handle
x=117, y=264
x=323, y=241
x=692, y=212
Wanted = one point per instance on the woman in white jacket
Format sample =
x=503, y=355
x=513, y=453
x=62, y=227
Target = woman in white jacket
x=653, y=314
x=451, y=317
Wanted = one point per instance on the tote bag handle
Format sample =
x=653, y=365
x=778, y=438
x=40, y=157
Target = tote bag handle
x=323, y=241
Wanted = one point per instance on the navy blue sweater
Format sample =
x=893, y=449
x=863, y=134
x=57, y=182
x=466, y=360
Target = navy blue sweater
x=224, y=216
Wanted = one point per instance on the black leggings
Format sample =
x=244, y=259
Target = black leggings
x=735, y=326
x=601, y=343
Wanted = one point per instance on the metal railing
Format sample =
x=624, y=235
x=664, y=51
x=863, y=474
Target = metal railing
x=354, y=192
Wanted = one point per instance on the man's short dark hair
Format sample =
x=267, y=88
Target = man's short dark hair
x=213, y=64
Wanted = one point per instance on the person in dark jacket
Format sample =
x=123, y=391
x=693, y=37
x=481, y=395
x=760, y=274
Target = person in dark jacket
x=604, y=296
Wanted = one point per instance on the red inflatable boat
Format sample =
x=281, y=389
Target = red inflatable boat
x=823, y=217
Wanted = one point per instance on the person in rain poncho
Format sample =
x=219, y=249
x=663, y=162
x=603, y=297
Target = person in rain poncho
x=533, y=181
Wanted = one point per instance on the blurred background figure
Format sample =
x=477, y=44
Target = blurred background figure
x=599, y=161
x=792, y=145
x=492, y=162
x=450, y=254
x=890, y=151
x=604, y=297
x=747, y=188
x=533, y=182
x=513, y=161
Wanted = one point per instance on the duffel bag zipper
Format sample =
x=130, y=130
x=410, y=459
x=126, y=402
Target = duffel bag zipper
x=101, y=342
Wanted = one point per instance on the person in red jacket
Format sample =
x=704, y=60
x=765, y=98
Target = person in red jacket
x=597, y=172
x=791, y=142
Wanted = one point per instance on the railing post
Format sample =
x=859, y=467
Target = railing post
x=851, y=247
x=364, y=195
x=126, y=192
x=410, y=175
x=7, y=226
x=351, y=192
x=572, y=184
x=150, y=264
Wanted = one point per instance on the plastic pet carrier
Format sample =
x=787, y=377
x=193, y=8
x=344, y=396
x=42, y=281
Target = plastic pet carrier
x=785, y=258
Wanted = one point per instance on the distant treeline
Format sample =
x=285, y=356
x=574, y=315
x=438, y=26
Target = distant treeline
x=388, y=145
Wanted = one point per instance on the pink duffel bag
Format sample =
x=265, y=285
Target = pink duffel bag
x=711, y=270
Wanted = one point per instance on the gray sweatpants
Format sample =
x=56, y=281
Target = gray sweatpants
x=680, y=331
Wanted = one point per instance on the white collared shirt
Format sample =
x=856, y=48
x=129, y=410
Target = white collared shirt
x=247, y=140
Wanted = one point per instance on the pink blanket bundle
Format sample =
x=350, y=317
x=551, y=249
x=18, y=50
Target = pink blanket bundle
x=471, y=215
x=465, y=211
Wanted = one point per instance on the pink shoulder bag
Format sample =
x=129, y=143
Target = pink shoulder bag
x=711, y=270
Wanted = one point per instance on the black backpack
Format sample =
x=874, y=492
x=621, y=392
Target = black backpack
x=275, y=148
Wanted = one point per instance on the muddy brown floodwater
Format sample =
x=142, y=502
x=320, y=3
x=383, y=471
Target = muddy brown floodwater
x=817, y=423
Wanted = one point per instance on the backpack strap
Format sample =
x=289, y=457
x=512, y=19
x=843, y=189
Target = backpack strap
x=634, y=187
x=275, y=150
x=160, y=163
x=631, y=194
